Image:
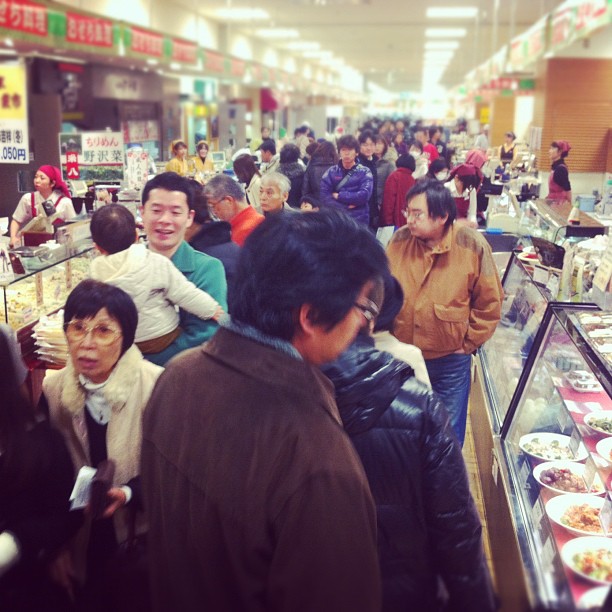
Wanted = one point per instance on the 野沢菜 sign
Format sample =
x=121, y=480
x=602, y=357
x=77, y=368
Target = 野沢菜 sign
x=92, y=156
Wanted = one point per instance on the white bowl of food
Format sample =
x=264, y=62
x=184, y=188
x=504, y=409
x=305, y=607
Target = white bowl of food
x=604, y=449
x=551, y=447
x=600, y=422
x=583, y=381
x=594, y=598
x=589, y=557
x=578, y=514
x=566, y=477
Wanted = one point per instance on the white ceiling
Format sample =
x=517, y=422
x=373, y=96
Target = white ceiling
x=384, y=39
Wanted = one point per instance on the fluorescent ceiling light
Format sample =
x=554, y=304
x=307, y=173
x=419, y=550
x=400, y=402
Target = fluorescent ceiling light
x=302, y=45
x=445, y=32
x=241, y=13
x=439, y=54
x=442, y=44
x=447, y=12
x=323, y=55
x=277, y=33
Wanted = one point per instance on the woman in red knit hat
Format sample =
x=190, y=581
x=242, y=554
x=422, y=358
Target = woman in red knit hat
x=49, y=187
x=559, y=187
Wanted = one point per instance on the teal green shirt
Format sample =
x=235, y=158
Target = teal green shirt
x=207, y=274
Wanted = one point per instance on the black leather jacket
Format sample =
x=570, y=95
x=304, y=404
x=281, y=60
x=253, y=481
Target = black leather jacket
x=428, y=526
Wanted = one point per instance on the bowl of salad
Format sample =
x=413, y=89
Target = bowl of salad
x=589, y=557
x=551, y=447
x=600, y=421
x=566, y=477
x=578, y=514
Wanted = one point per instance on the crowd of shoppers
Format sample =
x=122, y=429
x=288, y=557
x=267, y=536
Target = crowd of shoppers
x=263, y=469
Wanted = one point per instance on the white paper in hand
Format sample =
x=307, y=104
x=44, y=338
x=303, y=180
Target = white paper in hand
x=81, y=491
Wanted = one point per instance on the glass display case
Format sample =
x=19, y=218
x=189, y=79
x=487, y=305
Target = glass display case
x=555, y=460
x=548, y=219
x=504, y=355
x=47, y=277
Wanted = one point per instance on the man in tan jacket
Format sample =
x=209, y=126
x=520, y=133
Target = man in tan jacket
x=452, y=292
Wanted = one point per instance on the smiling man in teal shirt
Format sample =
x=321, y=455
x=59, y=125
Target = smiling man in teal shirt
x=167, y=212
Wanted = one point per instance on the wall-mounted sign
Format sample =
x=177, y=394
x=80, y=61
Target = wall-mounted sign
x=92, y=156
x=89, y=31
x=14, y=142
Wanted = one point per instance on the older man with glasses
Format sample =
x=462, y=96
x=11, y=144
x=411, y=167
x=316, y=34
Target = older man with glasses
x=227, y=202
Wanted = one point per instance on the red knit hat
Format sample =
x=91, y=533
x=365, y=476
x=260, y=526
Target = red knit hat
x=563, y=145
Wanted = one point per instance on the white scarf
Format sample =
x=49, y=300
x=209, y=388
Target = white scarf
x=97, y=405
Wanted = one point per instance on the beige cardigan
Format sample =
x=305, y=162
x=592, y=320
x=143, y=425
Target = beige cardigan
x=128, y=390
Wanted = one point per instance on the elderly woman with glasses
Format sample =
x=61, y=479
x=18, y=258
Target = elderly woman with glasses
x=97, y=402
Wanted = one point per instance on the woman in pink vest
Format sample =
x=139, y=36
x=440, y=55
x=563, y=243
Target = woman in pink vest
x=49, y=187
x=559, y=187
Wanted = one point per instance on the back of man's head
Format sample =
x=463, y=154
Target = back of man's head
x=113, y=228
x=322, y=259
x=222, y=186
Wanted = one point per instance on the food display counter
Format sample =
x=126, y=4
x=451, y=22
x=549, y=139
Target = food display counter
x=46, y=278
x=548, y=477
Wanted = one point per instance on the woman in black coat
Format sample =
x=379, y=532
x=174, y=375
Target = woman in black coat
x=428, y=527
x=36, y=477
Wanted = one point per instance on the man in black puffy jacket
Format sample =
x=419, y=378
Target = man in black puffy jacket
x=428, y=527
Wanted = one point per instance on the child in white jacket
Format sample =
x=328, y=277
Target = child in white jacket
x=150, y=279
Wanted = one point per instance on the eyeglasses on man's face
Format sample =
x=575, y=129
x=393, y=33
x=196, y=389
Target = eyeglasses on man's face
x=410, y=213
x=368, y=309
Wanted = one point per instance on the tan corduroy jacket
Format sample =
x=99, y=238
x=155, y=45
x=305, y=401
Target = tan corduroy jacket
x=452, y=292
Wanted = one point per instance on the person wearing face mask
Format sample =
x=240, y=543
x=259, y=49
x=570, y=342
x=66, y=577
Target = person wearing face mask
x=421, y=164
x=438, y=170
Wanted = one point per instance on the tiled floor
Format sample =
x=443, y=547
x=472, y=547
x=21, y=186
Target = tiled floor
x=469, y=455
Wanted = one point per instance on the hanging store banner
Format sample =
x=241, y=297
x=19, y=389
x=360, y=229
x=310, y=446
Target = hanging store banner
x=214, y=62
x=562, y=27
x=14, y=141
x=24, y=16
x=591, y=15
x=184, y=52
x=92, y=156
x=89, y=33
x=142, y=42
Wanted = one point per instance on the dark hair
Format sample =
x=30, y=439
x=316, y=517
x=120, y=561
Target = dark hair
x=420, y=128
x=326, y=152
x=303, y=129
x=440, y=202
x=406, y=161
x=311, y=200
x=90, y=296
x=176, y=144
x=19, y=459
x=221, y=186
x=289, y=154
x=322, y=258
x=113, y=228
x=201, y=144
x=200, y=203
x=432, y=131
x=170, y=181
x=380, y=138
x=347, y=142
x=392, y=303
x=436, y=166
x=416, y=143
x=311, y=148
x=365, y=135
x=245, y=168
x=268, y=145
x=511, y=135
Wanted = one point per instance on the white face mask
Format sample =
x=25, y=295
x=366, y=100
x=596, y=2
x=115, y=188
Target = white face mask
x=442, y=175
x=415, y=154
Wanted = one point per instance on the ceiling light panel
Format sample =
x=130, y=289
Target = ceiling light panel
x=277, y=33
x=445, y=32
x=448, y=12
x=441, y=44
x=241, y=14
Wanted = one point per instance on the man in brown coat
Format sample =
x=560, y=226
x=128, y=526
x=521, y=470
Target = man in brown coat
x=256, y=499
